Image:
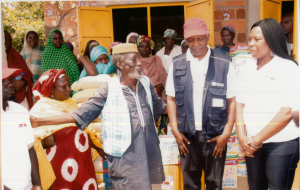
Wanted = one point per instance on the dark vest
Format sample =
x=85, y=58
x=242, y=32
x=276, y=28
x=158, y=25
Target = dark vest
x=214, y=102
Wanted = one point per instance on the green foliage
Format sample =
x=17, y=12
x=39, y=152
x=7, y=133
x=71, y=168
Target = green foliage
x=19, y=17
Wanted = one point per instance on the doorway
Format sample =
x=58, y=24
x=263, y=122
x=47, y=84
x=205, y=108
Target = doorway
x=129, y=20
x=167, y=17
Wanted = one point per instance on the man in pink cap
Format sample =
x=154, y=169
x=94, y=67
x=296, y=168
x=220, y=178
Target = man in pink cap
x=19, y=168
x=201, y=107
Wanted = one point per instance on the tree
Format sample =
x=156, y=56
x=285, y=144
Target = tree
x=19, y=17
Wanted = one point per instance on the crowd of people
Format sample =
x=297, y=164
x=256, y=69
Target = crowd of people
x=192, y=87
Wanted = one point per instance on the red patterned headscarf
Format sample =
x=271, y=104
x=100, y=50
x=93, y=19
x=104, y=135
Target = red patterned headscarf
x=147, y=39
x=114, y=44
x=43, y=86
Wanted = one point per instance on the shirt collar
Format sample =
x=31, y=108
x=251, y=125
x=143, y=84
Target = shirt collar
x=190, y=57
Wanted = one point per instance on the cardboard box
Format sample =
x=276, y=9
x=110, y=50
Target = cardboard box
x=230, y=176
x=98, y=165
x=107, y=178
x=172, y=179
x=169, y=150
x=105, y=165
x=109, y=186
x=99, y=177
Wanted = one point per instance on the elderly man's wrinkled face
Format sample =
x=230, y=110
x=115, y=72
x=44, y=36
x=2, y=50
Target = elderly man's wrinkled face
x=131, y=66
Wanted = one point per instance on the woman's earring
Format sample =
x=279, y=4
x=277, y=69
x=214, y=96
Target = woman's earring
x=272, y=54
x=52, y=95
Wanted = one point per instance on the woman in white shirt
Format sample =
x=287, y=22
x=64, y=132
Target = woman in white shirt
x=267, y=94
x=170, y=50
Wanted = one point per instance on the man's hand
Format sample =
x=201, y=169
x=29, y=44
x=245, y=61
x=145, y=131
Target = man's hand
x=101, y=153
x=181, y=140
x=34, y=124
x=247, y=148
x=36, y=187
x=19, y=84
x=160, y=87
x=220, y=145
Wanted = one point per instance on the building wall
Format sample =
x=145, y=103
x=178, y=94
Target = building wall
x=62, y=15
x=231, y=12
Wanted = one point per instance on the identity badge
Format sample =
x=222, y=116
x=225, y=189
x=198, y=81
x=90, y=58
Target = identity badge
x=217, y=103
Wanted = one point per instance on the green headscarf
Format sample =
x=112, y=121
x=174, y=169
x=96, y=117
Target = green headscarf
x=60, y=58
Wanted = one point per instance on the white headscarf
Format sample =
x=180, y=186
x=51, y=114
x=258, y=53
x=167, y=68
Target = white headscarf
x=136, y=35
x=35, y=54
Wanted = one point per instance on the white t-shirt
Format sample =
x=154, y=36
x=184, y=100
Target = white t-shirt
x=16, y=139
x=168, y=59
x=265, y=91
x=199, y=70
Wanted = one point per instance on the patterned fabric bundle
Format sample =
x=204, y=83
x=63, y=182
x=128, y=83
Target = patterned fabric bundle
x=43, y=87
x=33, y=57
x=60, y=58
x=147, y=39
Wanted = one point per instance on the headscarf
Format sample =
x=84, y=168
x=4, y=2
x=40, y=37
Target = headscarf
x=97, y=51
x=69, y=44
x=100, y=67
x=60, y=58
x=136, y=35
x=16, y=61
x=170, y=33
x=114, y=44
x=87, y=48
x=229, y=27
x=43, y=87
x=94, y=43
x=33, y=56
x=182, y=42
x=147, y=39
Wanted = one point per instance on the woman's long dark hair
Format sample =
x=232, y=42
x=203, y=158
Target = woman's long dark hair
x=86, y=51
x=274, y=36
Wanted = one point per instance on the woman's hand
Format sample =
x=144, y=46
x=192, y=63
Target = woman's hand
x=34, y=124
x=220, y=145
x=19, y=84
x=247, y=148
x=181, y=140
x=101, y=153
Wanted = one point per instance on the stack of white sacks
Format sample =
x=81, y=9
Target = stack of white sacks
x=85, y=88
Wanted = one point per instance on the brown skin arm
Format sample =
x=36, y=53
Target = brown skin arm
x=278, y=122
x=296, y=117
x=35, y=175
x=240, y=127
x=90, y=67
x=223, y=138
x=180, y=138
x=55, y=120
x=99, y=150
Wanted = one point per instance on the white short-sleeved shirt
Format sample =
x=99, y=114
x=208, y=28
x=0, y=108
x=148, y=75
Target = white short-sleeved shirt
x=199, y=70
x=265, y=91
x=16, y=139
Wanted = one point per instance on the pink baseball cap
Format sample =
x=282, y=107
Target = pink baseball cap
x=194, y=27
x=7, y=72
